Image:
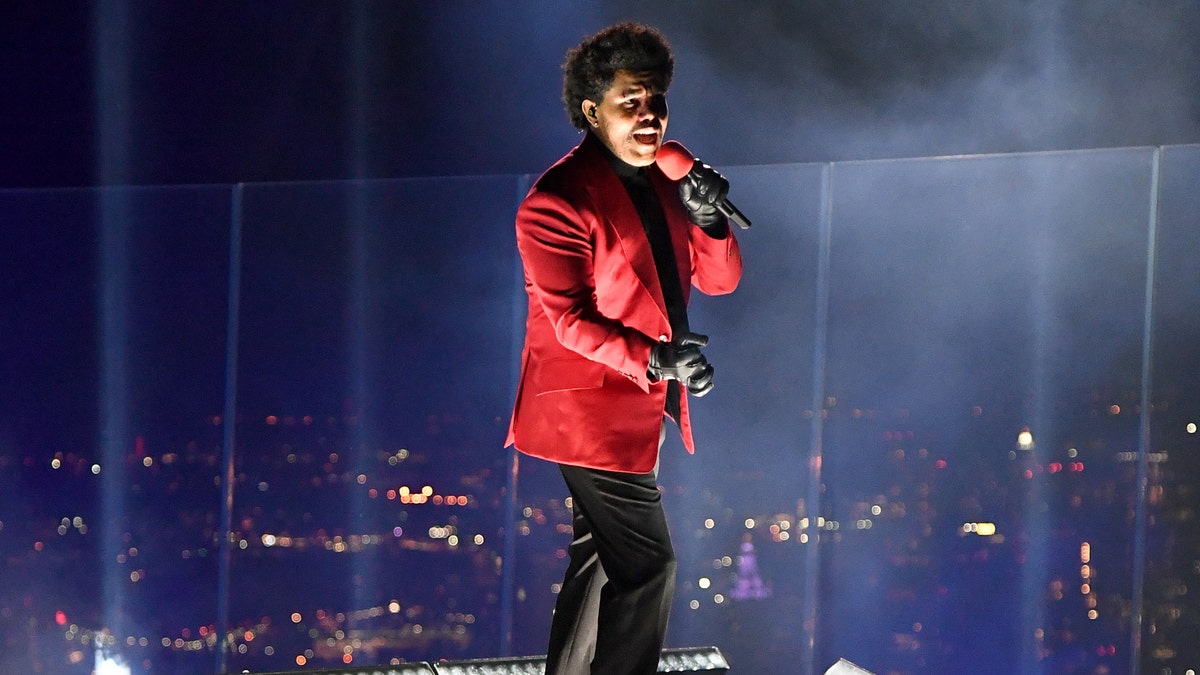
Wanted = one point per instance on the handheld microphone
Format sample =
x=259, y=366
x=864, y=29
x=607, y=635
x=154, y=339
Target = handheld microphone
x=676, y=162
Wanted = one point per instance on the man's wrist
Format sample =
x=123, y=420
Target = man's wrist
x=714, y=225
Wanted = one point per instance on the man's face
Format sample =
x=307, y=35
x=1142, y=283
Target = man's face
x=631, y=119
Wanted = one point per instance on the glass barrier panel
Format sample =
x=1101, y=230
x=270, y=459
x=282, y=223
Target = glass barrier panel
x=984, y=364
x=735, y=506
x=111, y=378
x=374, y=386
x=1170, y=616
x=725, y=505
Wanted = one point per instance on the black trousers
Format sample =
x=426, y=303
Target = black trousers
x=611, y=614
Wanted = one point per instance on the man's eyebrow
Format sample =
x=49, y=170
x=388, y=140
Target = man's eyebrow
x=639, y=88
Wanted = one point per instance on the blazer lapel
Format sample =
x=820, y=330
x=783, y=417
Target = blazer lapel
x=610, y=195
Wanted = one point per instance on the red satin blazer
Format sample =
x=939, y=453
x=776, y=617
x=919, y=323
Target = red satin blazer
x=595, y=310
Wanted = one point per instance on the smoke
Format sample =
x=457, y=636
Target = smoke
x=786, y=82
x=473, y=88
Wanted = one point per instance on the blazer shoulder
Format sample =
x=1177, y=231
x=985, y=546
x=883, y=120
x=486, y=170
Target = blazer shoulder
x=568, y=177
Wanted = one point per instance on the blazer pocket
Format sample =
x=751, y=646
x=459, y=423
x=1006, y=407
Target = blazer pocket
x=568, y=375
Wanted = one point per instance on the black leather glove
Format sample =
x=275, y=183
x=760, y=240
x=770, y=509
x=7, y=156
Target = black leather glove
x=701, y=382
x=701, y=190
x=683, y=361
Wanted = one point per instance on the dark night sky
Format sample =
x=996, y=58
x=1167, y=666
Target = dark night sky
x=297, y=90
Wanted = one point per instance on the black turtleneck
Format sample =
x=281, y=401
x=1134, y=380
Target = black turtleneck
x=654, y=222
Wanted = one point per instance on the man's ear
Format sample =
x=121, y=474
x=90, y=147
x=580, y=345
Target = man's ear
x=589, y=111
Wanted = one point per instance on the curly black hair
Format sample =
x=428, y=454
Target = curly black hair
x=589, y=69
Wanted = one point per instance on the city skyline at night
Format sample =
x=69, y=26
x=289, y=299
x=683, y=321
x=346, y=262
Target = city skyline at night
x=908, y=512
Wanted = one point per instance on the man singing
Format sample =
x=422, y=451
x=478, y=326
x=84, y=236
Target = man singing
x=611, y=248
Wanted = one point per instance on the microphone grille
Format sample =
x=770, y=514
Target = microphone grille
x=674, y=160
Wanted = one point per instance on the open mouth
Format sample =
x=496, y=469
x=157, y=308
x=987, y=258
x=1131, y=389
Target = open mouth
x=646, y=136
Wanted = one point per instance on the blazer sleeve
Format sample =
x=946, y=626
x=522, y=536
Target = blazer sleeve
x=716, y=263
x=555, y=243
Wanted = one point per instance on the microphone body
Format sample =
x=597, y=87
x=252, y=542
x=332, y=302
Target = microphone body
x=676, y=163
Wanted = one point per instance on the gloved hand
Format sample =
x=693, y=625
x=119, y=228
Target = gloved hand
x=701, y=190
x=683, y=361
x=701, y=382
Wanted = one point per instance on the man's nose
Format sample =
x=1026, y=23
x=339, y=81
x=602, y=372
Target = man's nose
x=656, y=105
